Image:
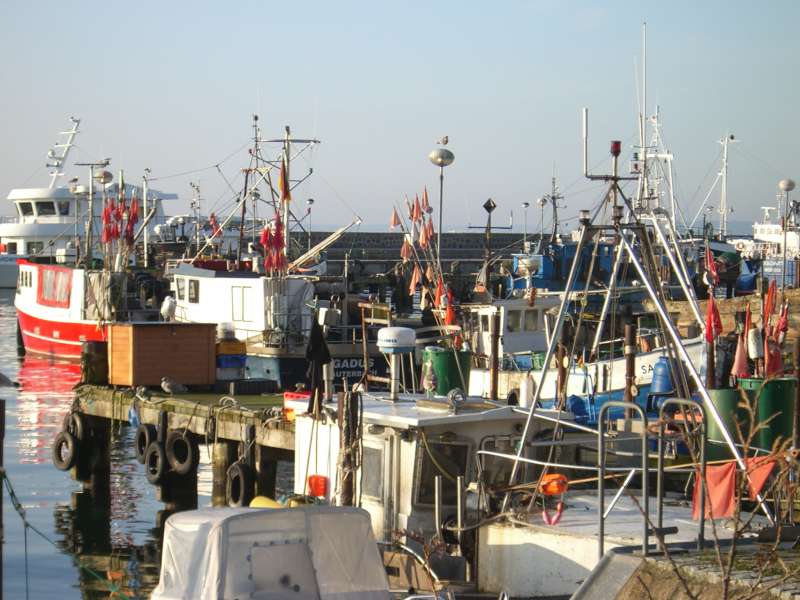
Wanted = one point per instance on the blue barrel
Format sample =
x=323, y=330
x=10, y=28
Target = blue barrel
x=662, y=377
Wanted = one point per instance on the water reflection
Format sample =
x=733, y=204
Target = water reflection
x=44, y=397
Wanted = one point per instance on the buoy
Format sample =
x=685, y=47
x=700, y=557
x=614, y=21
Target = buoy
x=553, y=484
x=318, y=485
x=755, y=347
x=265, y=502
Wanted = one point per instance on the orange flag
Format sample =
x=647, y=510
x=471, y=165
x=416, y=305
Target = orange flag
x=439, y=293
x=395, y=220
x=423, y=238
x=416, y=278
x=285, y=187
x=429, y=272
x=406, y=251
x=720, y=490
x=416, y=213
x=425, y=205
x=429, y=227
x=740, y=367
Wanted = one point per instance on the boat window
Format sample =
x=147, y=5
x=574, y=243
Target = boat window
x=497, y=470
x=484, y=322
x=372, y=473
x=180, y=286
x=194, y=291
x=34, y=247
x=513, y=321
x=55, y=286
x=63, y=207
x=25, y=208
x=450, y=458
x=11, y=247
x=531, y=320
x=45, y=209
x=240, y=311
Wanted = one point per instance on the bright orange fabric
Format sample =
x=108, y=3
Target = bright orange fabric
x=758, y=470
x=720, y=496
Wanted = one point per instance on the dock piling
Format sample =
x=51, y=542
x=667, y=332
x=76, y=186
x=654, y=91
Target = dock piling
x=223, y=456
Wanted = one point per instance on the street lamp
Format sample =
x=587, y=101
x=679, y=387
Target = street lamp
x=525, y=206
x=786, y=186
x=542, y=202
x=441, y=157
x=309, y=204
x=706, y=215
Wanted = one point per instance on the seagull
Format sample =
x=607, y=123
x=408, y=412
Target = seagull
x=172, y=387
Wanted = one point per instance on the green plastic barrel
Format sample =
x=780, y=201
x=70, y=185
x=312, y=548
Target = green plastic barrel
x=775, y=397
x=537, y=360
x=443, y=361
x=727, y=403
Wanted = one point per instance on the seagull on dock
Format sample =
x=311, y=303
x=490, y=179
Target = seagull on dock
x=171, y=386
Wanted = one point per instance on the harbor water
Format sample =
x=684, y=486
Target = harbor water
x=87, y=548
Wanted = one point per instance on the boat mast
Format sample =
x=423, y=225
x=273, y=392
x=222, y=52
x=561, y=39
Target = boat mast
x=723, y=196
x=60, y=159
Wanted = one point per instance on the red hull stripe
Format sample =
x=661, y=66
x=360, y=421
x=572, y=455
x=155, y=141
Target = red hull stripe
x=56, y=338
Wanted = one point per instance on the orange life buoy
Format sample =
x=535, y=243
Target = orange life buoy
x=553, y=484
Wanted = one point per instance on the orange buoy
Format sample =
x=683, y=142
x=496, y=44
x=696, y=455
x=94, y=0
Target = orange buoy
x=553, y=484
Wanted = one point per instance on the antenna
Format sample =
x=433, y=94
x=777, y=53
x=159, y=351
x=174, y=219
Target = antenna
x=58, y=160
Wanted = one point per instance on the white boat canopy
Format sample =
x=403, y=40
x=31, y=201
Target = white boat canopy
x=314, y=552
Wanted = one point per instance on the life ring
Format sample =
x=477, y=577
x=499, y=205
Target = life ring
x=65, y=451
x=239, y=485
x=182, y=452
x=155, y=463
x=554, y=519
x=145, y=435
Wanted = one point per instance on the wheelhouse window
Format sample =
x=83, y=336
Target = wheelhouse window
x=194, y=291
x=35, y=247
x=438, y=458
x=372, y=469
x=63, y=208
x=45, y=209
x=180, y=287
x=55, y=285
x=513, y=321
x=531, y=320
x=11, y=247
x=25, y=209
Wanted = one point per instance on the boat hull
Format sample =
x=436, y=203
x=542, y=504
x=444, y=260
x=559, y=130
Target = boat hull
x=56, y=338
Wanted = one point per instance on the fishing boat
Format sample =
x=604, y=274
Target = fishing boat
x=51, y=221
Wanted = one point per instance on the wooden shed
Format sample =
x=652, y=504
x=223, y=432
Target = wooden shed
x=143, y=353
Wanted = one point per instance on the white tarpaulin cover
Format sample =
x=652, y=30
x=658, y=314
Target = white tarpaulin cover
x=305, y=553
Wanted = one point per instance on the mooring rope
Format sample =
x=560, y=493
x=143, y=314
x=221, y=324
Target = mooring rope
x=113, y=588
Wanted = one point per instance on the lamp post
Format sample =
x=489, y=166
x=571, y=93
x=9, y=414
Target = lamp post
x=542, y=202
x=525, y=206
x=441, y=157
x=309, y=204
x=786, y=186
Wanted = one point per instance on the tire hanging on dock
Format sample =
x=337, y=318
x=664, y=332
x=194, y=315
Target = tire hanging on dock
x=155, y=463
x=182, y=452
x=144, y=436
x=239, y=485
x=65, y=451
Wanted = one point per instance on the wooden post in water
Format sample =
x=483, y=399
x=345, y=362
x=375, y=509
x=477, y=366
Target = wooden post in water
x=494, y=366
x=222, y=457
x=629, y=350
x=266, y=472
x=796, y=416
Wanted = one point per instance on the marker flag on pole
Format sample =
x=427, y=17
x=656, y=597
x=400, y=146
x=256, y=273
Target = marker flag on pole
x=711, y=267
x=395, y=220
x=285, y=187
x=429, y=274
x=713, y=321
x=416, y=278
x=416, y=213
x=406, y=251
x=425, y=204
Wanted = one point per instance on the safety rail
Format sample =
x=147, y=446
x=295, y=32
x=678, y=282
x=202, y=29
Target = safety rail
x=601, y=475
x=694, y=406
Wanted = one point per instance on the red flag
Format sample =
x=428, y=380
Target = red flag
x=416, y=277
x=416, y=213
x=423, y=238
x=713, y=321
x=450, y=312
x=439, y=293
x=720, y=501
x=740, y=367
x=133, y=213
x=425, y=205
x=277, y=235
x=711, y=267
x=266, y=238
x=285, y=187
x=429, y=227
x=395, y=220
x=215, y=228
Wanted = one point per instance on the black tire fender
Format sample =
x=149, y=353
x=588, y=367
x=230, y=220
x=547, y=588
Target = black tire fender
x=155, y=463
x=144, y=436
x=239, y=485
x=182, y=452
x=65, y=451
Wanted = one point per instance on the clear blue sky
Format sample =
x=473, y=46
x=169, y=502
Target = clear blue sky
x=172, y=85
